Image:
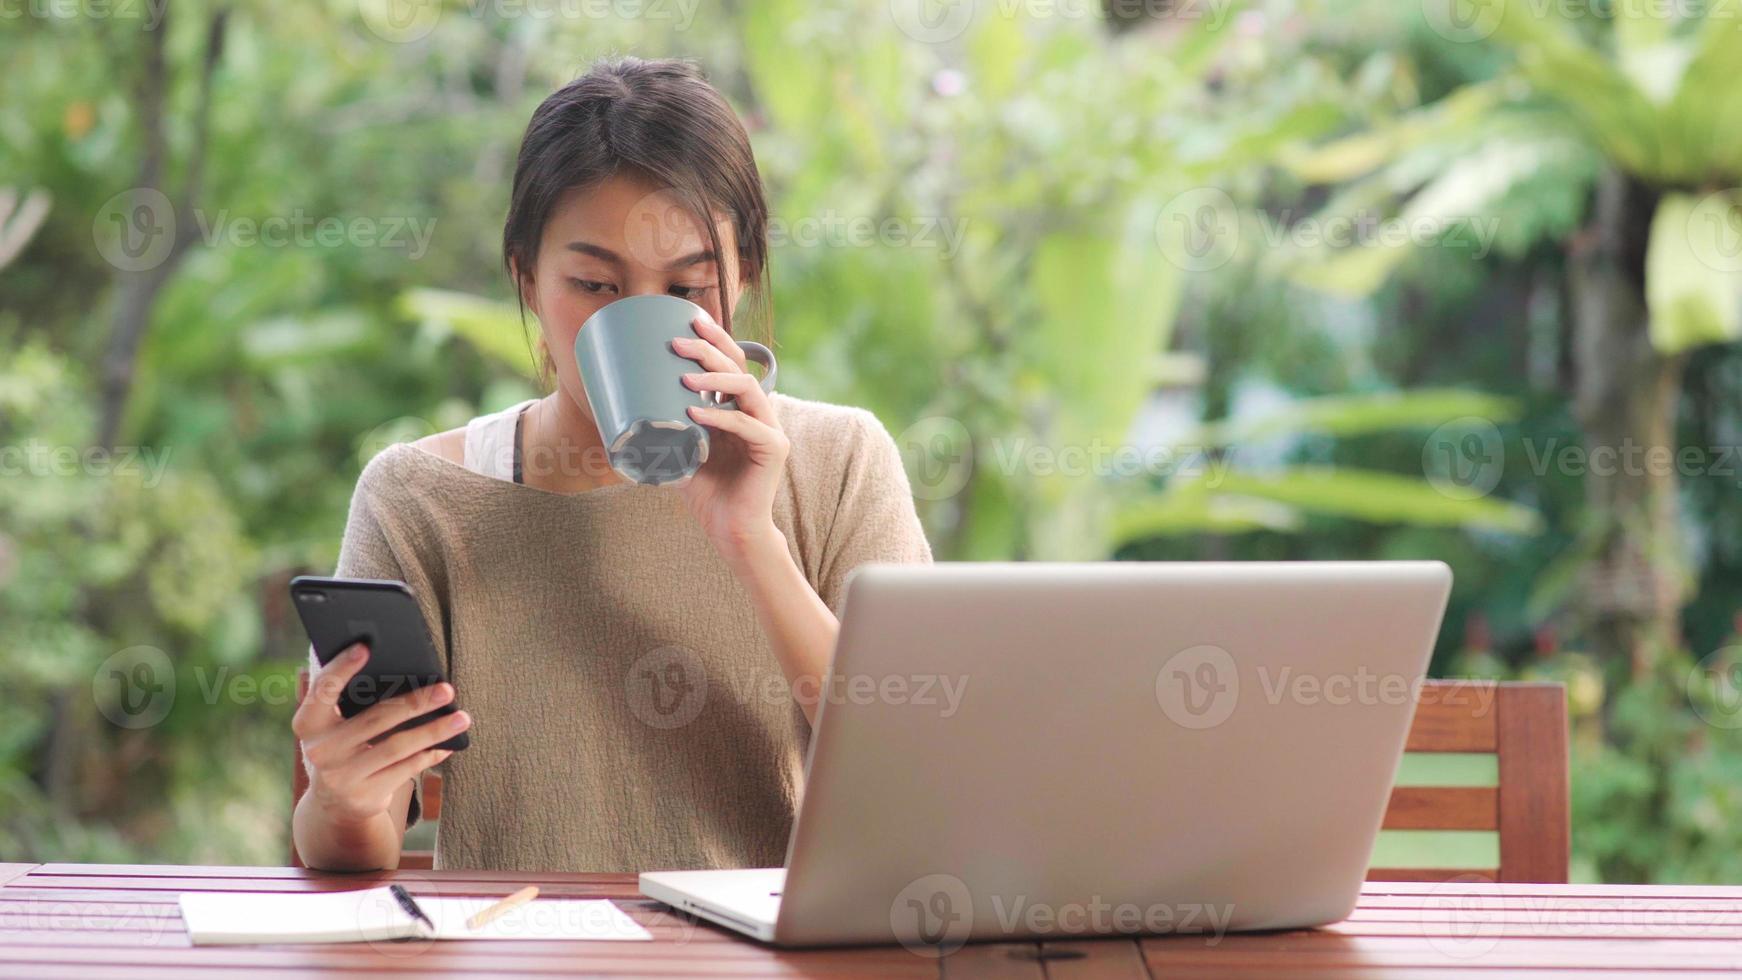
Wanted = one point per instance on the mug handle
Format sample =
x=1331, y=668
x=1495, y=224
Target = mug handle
x=761, y=355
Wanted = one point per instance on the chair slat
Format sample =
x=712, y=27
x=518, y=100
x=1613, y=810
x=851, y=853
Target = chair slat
x=1432, y=874
x=1534, y=808
x=1524, y=725
x=432, y=796
x=1454, y=716
x=1443, y=808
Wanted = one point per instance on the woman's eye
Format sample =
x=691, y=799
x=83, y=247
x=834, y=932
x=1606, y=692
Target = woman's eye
x=592, y=286
x=689, y=292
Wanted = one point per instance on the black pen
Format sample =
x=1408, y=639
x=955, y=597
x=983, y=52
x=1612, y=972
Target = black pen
x=409, y=904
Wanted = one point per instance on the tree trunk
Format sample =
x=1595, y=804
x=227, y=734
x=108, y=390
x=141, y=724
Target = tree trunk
x=1626, y=396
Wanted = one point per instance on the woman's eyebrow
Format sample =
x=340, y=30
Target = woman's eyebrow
x=601, y=252
x=596, y=251
x=694, y=258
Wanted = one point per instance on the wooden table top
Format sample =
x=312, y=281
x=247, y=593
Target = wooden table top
x=92, y=921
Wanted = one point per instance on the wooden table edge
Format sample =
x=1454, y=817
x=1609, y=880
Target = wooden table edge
x=12, y=872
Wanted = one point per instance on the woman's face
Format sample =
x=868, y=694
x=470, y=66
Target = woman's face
x=621, y=237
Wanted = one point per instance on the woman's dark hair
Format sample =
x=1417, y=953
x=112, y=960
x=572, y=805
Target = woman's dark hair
x=661, y=121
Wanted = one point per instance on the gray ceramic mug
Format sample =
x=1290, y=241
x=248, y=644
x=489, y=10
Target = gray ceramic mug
x=634, y=384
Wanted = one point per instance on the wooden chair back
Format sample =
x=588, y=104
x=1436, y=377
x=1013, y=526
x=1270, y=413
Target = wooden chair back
x=432, y=794
x=1524, y=726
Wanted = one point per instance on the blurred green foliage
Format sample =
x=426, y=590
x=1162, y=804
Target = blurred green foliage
x=1048, y=284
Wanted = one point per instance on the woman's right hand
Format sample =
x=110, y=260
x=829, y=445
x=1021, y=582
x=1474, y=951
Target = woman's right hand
x=354, y=766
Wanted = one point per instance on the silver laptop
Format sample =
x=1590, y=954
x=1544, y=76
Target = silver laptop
x=1030, y=750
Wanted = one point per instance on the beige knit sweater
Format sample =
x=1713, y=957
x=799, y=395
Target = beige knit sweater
x=628, y=713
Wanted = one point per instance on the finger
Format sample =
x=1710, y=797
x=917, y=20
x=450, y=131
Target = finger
x=713, y=333
x=392, y=713
x=405, y=769
x=393, y=749
x=748, y=391
x=320, y=709
x=711, y=358
x=755, y=432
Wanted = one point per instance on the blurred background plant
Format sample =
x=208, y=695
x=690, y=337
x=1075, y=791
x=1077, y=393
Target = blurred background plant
x=1281, y=279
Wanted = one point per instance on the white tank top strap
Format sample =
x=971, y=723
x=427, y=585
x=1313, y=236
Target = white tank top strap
x=490, y=442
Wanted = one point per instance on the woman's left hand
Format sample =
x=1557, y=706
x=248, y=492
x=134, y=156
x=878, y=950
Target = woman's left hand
x=732, y=495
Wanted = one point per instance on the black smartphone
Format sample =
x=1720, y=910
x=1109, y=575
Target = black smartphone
x=337, y=612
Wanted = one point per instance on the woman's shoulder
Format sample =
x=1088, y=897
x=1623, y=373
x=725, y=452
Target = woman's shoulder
x=835, y=444
x=401, y=471
x=824, y=425
x=449, y=445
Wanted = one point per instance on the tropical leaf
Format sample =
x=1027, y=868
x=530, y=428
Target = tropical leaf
x=1693, y=271
x=1461, y=194
x=1344, y=416
x=494, y=328
x=1614, y=112
x=1380, y=498
x=1706, y=113
x=312, y=338
x=1106, y=305
x=1647, y=50
x=1190, y=509
x=1456, y=116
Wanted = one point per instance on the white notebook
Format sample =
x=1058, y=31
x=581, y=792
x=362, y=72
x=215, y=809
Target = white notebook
x=372, y=915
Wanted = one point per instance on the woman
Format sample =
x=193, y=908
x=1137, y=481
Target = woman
x=639, y=667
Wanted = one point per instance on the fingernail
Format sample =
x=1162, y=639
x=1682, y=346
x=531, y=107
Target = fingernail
x=443, y=694
x=357, y=652
x=459, y=720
